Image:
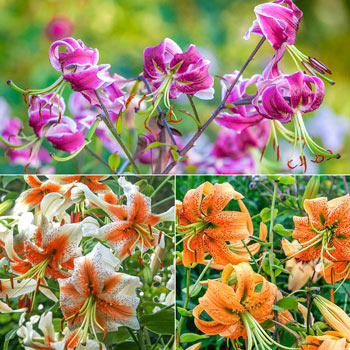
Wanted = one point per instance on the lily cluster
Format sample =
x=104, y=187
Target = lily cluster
x=253, y=111
x=241, y=304
x=43, y=242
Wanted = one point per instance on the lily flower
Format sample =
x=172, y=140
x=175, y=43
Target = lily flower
x=279, y=24
x=286, y=98
x=51, y=250
x=324, y=233
x=172, y=72
x=132, y=224
x=93, y=182
x=96, y=297
x=301, y=272
x=334, y=316
x=237, y=304
x=243, y=115
x=79, y=68
x=31, y=198
x=206, y=226
x=329, y=340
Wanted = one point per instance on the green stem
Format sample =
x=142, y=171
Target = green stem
x=141, y=339
x=160, y=186
x=187, y=299
x=251, y=255
x=201, y=276
x=273, y=278
x=190, y=98
x=134, y=337
x=163, y=201
x=107, y=120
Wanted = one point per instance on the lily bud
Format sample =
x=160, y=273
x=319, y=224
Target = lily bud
x=334, y=315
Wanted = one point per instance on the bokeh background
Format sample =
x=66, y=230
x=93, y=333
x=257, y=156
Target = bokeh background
x=122, y=29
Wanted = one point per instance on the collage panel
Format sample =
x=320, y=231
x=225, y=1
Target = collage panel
x=87, y=262
x=263, y=262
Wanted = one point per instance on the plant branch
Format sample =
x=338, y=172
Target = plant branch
x=100, y=159
x=200, y=130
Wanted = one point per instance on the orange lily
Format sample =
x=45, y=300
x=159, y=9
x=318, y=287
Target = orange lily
x=93, y=182
x=238, y=304
x=324, y=233
x=98, y=298
x=132, y=224
x=328, y=341
x=206, y=227
x=32, y=197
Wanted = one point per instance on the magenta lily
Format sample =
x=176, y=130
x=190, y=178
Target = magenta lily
x=283, y=96
x=287, y=98
x=279, y=24
x=238, y=117
x=172, y=72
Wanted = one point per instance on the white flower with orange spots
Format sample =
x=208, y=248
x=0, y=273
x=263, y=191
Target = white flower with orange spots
x=96, y=298
x=132, y=224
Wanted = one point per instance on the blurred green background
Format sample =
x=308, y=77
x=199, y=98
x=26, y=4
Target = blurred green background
x=122, y=29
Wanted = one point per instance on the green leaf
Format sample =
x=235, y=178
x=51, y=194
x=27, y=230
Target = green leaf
x=175, y=155
x=114, y=161
x=191, y=337
x=265, y=214
x=7, y=179
x=274, y=177
x=10, y=335
x=159, y=144
x=119, y=126
x=280, y=230
x=288, y=303
x=147, y=275
x=128, y=345
x=148, y=190
x=184, y=312
x=266, y=266
x=277, y=308
x=118, y=336
x=287, y=180
x=161, y=322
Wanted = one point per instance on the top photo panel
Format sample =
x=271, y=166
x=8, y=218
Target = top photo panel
x=174, y=87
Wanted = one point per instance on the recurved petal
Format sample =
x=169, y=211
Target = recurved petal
x=220, y=252
x=218, y=198
x=193, y=250
x=318, y=211
x=336, y=271
x=221, y=303
x=228, y=225
x=191, y=205
x=207, y=327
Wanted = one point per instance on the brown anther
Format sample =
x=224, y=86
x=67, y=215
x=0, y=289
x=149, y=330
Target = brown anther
x=104, y=333
x=11, y=280
x=26, y=169
x=314, y=62
x=331, y=295
x=289, y=164
x=274, y=145
x=141, y=262
x=278, y=153
x=160, y=236
x=332, y=276
x=305, y=164
x=150, y=230
x=59, y=119
x=62, y=222
x=131, y=97
x=262, y=153
x=301, y=160
x=7, y=300
x=0, y=286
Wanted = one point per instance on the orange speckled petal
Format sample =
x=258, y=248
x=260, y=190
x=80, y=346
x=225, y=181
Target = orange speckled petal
x=338, y=269
x=220, y=252
x=317, y=210
x=191, y=205
x=249, y=219
x=207, y=327
x=218, y=198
